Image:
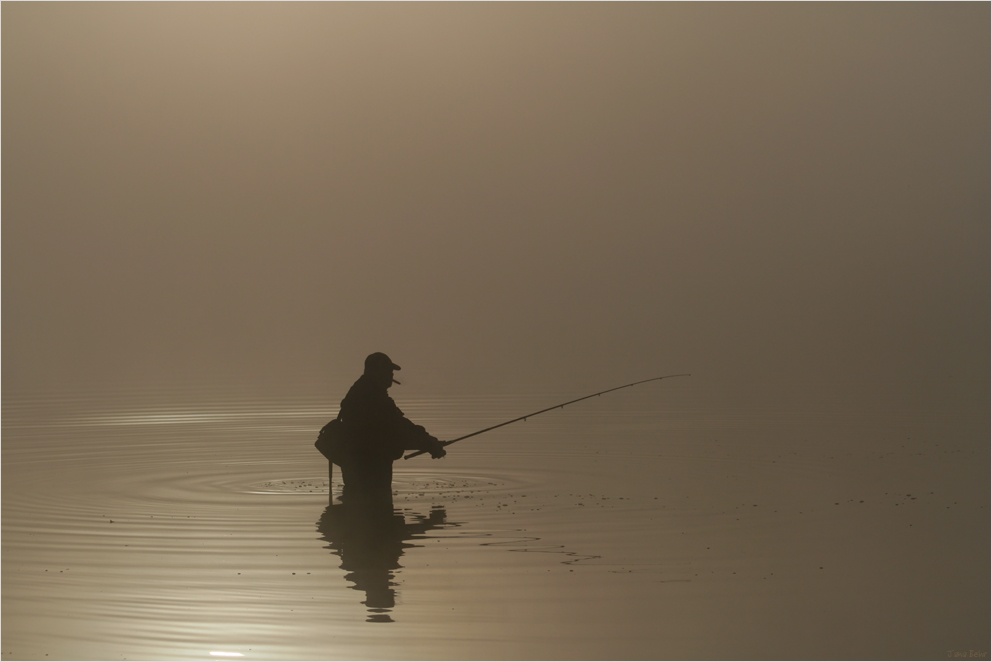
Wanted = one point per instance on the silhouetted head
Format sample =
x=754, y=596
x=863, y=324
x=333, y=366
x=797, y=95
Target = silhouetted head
x=381, y=367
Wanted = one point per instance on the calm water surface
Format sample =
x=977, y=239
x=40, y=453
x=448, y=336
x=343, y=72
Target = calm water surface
x=644, y=524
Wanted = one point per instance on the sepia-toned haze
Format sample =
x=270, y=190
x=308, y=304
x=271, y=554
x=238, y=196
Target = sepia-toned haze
x=793, y=196
x=213, y=212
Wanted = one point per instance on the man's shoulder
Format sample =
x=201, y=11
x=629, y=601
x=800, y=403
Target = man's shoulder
x=366, y=390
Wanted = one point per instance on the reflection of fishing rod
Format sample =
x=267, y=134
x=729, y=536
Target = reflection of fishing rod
x=524, y=418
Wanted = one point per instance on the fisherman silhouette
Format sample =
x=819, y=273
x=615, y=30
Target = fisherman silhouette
x=370, y=541
x=371, y=432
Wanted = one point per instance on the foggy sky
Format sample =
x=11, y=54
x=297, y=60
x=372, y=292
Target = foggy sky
x=497, y=195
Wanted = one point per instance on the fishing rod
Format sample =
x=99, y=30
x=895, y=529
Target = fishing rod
x=525, y=417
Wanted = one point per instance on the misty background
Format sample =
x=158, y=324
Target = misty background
x=790, y=201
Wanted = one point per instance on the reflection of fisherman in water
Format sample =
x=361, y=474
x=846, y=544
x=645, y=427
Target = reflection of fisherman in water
x=376, y=433
x=370, y=541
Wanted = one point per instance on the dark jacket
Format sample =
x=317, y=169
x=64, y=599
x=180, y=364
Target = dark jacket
x=376, y=426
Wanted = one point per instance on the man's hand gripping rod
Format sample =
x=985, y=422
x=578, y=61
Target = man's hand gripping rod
x=523, y=418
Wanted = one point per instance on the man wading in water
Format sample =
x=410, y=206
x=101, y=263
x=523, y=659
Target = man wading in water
x=373, y=433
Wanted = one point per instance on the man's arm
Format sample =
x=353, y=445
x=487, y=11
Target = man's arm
x=416, y=438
